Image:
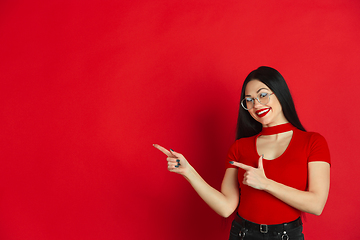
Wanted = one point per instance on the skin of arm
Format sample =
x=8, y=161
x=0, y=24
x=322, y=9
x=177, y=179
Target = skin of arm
x=223, y=202
x=311, y=201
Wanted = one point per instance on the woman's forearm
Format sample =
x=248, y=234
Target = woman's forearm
x=311, y=201
x=222, y=202
x=304, y=201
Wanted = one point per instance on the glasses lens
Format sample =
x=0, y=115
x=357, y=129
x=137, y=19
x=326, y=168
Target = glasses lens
x=264, y=98
x=247, y=103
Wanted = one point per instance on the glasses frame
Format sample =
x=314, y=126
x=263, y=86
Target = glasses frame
x=253, y=100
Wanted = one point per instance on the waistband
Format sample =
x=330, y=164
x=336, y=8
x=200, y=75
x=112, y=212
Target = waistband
x=263, y=228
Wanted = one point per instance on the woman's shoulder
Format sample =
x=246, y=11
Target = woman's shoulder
x=241, y=146
x=246, y=139
x=309, y=135
x=312, y=138
x=316, y=147
x=244, y=142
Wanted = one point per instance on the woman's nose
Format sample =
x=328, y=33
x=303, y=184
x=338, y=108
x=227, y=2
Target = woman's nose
x=257, y=103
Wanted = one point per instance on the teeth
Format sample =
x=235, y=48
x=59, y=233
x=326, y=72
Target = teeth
x=259, y=113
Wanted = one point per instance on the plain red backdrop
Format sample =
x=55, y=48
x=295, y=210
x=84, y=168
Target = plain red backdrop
x=88, y=86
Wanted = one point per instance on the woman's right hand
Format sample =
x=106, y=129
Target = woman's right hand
x=176, y=161
x=224, y=202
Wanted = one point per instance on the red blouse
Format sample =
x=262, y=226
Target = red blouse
x=291, y=169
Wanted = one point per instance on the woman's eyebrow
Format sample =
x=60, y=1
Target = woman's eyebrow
x=256, y=91
x=261, y=89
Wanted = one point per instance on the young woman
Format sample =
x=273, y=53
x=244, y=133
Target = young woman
x=275, y=169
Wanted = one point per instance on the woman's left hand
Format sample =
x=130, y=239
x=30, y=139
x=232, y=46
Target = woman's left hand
x=254, y=177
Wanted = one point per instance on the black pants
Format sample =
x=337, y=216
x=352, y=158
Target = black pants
x=239, y=232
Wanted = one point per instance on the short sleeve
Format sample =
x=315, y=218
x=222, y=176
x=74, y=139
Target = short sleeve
x=232, y=155
x=318, y=149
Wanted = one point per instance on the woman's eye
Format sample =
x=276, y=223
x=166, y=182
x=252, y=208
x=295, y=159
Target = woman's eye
x=248, y=99
x=263, y=95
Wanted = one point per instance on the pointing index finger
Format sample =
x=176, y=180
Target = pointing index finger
x=241, y=165
x=164, y=150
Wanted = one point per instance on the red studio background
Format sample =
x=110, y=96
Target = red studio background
x=88, y=86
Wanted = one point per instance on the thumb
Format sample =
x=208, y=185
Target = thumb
x=260, y=165
x=175, y=154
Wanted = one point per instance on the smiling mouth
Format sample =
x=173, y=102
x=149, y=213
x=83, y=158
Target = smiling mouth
x=262, y=112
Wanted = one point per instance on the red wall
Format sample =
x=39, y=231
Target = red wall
x=88, y=86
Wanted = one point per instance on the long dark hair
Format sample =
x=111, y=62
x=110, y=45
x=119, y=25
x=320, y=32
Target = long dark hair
x=246, y=125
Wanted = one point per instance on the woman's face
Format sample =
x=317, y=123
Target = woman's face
x=271, y=113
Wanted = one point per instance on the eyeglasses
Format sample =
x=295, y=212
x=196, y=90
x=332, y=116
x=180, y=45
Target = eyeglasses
x=263, y=98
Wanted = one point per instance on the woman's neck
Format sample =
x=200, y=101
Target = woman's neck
x=276, y=129
x=274, y=124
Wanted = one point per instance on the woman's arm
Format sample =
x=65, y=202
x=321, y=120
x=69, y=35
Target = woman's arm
x=311, y=201
x=223, y=202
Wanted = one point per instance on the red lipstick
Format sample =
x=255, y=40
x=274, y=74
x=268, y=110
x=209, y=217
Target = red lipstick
x=262, y=112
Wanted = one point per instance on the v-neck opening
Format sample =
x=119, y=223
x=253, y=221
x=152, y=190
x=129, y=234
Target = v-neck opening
x=282, y=154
